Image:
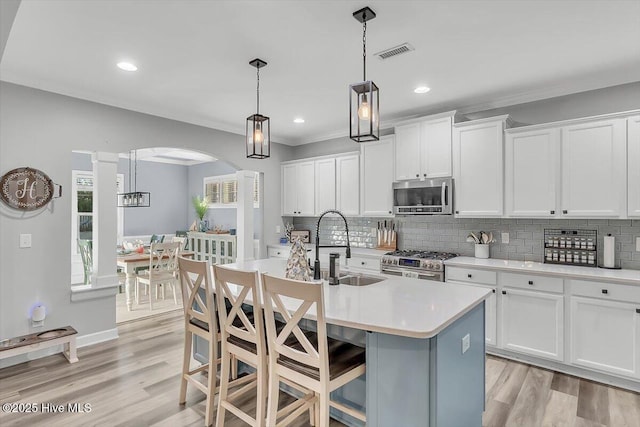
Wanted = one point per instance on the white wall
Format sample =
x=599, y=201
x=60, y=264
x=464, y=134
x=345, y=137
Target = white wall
x=40, y=129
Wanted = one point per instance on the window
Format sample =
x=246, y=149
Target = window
x=82, y=216
x=222, y=191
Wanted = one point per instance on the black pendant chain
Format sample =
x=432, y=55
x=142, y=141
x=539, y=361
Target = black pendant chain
x=364, y=51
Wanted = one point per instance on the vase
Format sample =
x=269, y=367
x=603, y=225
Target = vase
x=203, y=225
x=482, y=250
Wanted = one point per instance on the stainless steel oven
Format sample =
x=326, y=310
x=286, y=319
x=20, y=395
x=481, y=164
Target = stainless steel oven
x=428, y=197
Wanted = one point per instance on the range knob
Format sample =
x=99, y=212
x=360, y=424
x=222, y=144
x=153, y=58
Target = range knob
x=437, y=266
x=429, y=265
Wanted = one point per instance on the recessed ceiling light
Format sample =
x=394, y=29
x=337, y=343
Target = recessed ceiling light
x=127, y=66
x=421, y=89
x=298, y=120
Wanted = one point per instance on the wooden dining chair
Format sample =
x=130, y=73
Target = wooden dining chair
x=200, y=319
x=308, y=359
x=163, y=267
x=242, y=338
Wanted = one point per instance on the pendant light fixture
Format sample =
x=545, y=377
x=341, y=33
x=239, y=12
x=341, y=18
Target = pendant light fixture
x=135, y=198
x=364, y=106
x=258, y=126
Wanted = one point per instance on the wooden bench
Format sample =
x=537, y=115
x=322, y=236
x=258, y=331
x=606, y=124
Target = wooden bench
x=19, y=345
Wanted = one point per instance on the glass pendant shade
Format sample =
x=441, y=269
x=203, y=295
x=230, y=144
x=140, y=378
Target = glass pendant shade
x=364, y=107
x=258, y=136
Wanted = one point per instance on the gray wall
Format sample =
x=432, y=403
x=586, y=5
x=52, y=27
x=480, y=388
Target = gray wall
x=446, y=233
x=40, y=129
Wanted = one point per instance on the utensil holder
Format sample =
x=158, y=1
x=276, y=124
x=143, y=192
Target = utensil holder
x=482, y=250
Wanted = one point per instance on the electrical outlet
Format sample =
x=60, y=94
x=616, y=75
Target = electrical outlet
x=466, y=343
x=278, y=229
x=637, y=244
x=25, y=240
x=505, y=237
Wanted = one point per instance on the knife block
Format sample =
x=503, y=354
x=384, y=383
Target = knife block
x=390, y=244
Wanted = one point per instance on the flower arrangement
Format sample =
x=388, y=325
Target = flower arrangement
x=201, y=206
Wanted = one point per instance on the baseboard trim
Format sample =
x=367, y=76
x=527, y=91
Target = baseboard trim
x=97, y=337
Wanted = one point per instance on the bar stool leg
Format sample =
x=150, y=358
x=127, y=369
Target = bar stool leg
x=188, y=338
x=324, y=406
x=274, y=390
x=261, y=395
x=224, y=386
x=211, y=383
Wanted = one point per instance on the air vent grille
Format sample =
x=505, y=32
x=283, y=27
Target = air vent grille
x=395, y=51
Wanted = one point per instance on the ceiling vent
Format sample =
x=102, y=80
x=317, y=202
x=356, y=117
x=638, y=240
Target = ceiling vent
x=394, y=51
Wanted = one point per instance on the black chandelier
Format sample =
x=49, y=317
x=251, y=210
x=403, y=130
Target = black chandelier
x=258, y=126
x=135, y=198
x=364, y=105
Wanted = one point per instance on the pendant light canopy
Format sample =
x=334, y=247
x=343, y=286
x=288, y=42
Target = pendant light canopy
x=135, y=198
x=364, y=106
x=258, y=126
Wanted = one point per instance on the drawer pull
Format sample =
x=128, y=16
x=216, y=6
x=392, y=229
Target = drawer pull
x=504, y=292
x=469, y=276
x=362, y=263
x=531, y=282
x=564, y=212
x=552, y=212
x=493, y=290
x=604, y=291
x=638, y=310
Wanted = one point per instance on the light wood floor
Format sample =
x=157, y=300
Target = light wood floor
x=134, y=381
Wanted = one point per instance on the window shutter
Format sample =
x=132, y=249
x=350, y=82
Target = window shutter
x=213, y=191
x=229, y=191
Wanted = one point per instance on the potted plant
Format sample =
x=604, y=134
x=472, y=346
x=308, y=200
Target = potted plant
x=201, y=205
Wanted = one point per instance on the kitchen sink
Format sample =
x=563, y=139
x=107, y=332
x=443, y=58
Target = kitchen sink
x=357, y=279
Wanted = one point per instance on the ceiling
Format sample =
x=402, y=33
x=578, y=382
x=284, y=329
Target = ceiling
x=176, y=156
x=192, y=56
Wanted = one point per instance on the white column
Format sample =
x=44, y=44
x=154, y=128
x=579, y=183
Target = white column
x=105, y=227
x=244, y=227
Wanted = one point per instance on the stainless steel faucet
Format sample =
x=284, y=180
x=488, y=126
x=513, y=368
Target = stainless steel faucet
x=316, y=264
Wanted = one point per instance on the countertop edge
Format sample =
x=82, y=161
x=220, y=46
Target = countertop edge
x=548, y=270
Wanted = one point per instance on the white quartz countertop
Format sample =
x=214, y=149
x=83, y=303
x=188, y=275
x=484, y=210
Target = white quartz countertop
x=629, y=277
x=397, y=306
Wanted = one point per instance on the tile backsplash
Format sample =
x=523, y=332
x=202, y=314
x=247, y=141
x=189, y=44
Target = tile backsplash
x=446, y=233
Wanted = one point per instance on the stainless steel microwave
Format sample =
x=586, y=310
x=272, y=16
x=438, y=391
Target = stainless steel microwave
x=428, y=197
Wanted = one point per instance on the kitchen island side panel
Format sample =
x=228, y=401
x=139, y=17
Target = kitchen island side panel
x=397, y=381
x=458, y=379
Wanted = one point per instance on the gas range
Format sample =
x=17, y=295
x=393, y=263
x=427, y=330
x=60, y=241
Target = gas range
x=417, y=264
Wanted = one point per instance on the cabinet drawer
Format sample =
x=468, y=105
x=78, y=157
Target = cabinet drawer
x=277, y=252
x=606, y=291
x=368, y=263
x=532, y=282
x=471, y=275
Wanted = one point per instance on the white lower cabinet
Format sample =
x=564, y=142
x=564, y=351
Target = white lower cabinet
x=605, y=335
x=532, y=322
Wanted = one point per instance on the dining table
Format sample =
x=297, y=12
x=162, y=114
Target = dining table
x=130, y=262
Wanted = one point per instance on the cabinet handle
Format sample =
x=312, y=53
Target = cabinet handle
x=552, y=212
x=469, y=276
x=564, y=212
x=362, y=263
x=604, y=291
x=638, y=310
x=424, y=174
x=417, y=175
x=457, y=212
x=390, y=212
x=504, y=292
x=493, y=290
x=531, y=282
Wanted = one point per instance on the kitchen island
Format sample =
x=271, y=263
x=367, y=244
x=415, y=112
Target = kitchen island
x=424, y=343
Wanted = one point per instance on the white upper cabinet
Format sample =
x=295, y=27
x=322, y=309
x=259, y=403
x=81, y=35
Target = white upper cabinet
x=633, y=168
x=478, y=167
x=347, y=184
x=593, y=169
x=325, y=185
x=376, y=173
x=423, y=148
x=298, y=182
x=531, y=172
x=407, y=151
x=435, y=147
